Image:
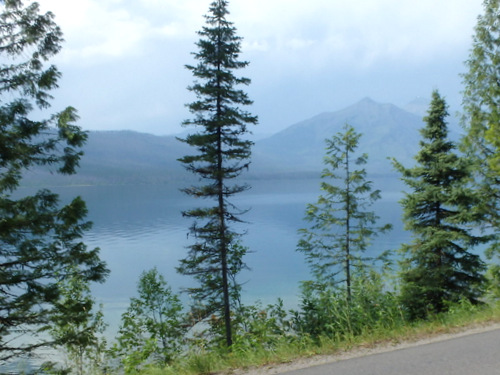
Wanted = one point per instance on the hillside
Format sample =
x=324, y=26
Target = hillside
x=121, y=157
x=125, y=157
x=387, y=131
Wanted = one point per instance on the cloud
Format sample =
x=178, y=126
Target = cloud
x=98, y=31
x=357, y=33
x=123, y=60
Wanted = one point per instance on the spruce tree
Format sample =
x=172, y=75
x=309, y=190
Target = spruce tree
x=481, y=94
x=439, y=266
x=342, y=225
x=222, y=155
x=40, y=240
x=482, y=116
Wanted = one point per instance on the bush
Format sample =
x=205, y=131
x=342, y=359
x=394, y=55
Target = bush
x=328, y=311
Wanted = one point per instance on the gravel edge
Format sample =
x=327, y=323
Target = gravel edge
x=361, y=352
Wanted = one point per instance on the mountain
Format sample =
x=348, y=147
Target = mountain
x=126, y=157
x=418, y=106
x=387, y=131
x=121, y=157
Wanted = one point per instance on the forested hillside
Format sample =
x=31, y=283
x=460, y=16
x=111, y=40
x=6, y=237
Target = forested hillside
x=126, y=157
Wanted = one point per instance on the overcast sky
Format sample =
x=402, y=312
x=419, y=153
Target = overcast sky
x=123, y=60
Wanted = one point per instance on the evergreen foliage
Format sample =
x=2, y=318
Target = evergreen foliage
x=440, y=210
x=40, y=241
x=482, y=115
x=222, y=154
x=482, y=119
x=341, y=225
x=152, y=328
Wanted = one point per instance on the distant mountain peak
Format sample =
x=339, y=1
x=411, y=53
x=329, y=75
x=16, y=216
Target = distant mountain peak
x=418, y=106
x=386, y=129
x=368, y=104
x=367, y=100
x=369, y=107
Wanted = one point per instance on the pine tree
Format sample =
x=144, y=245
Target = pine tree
x=439, y=265
x=342, y=227
x=482, y=116
x=40, y=241
x=222, y=154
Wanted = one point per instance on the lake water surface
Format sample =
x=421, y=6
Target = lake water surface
x=140, y=227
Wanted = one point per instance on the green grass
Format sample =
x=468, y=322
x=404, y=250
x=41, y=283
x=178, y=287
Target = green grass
x=459, y=318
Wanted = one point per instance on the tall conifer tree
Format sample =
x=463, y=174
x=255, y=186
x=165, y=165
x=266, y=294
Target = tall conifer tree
x=222, y=154
x=40, y=241
x=439, y=265
x=481, y=98
x=482, y=91
x=342, y=224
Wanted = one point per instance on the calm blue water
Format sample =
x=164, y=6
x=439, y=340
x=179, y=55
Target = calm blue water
x=140, y=227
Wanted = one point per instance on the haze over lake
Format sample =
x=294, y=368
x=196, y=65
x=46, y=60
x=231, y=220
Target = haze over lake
x=132, y=183
x=140, y=227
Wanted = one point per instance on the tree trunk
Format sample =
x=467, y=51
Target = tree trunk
x=222, y=225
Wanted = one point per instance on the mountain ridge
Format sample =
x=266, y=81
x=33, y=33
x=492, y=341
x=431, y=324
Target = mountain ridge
x=387, y=131
x=129, y=157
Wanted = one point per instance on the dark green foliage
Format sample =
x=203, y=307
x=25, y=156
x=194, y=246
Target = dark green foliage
x=327, y=311
x=482, y=119
x=440, y=209
x=262, y=327
x=77, y=327
x=40, y=242
x=222, y=154
x=342, y=227
x=482, y=115
x=152, y=328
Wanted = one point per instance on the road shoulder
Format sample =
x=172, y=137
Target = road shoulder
x=364, y=351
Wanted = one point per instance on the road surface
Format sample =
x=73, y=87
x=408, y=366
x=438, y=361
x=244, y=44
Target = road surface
x=475, y=354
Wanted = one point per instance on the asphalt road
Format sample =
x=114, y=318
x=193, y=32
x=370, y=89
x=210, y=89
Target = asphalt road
x=476, y=354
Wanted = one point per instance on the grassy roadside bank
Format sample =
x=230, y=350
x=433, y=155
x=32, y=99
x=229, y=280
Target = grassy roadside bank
x=459, y=318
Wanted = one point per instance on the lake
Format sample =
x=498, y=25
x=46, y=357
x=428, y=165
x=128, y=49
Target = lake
x=141, y=227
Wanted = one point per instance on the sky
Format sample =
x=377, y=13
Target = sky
x=123, y=60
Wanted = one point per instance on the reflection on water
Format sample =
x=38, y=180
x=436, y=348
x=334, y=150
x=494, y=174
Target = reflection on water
x=140, y=227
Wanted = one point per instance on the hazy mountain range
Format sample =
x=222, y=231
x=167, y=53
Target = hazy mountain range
x=125, y=157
